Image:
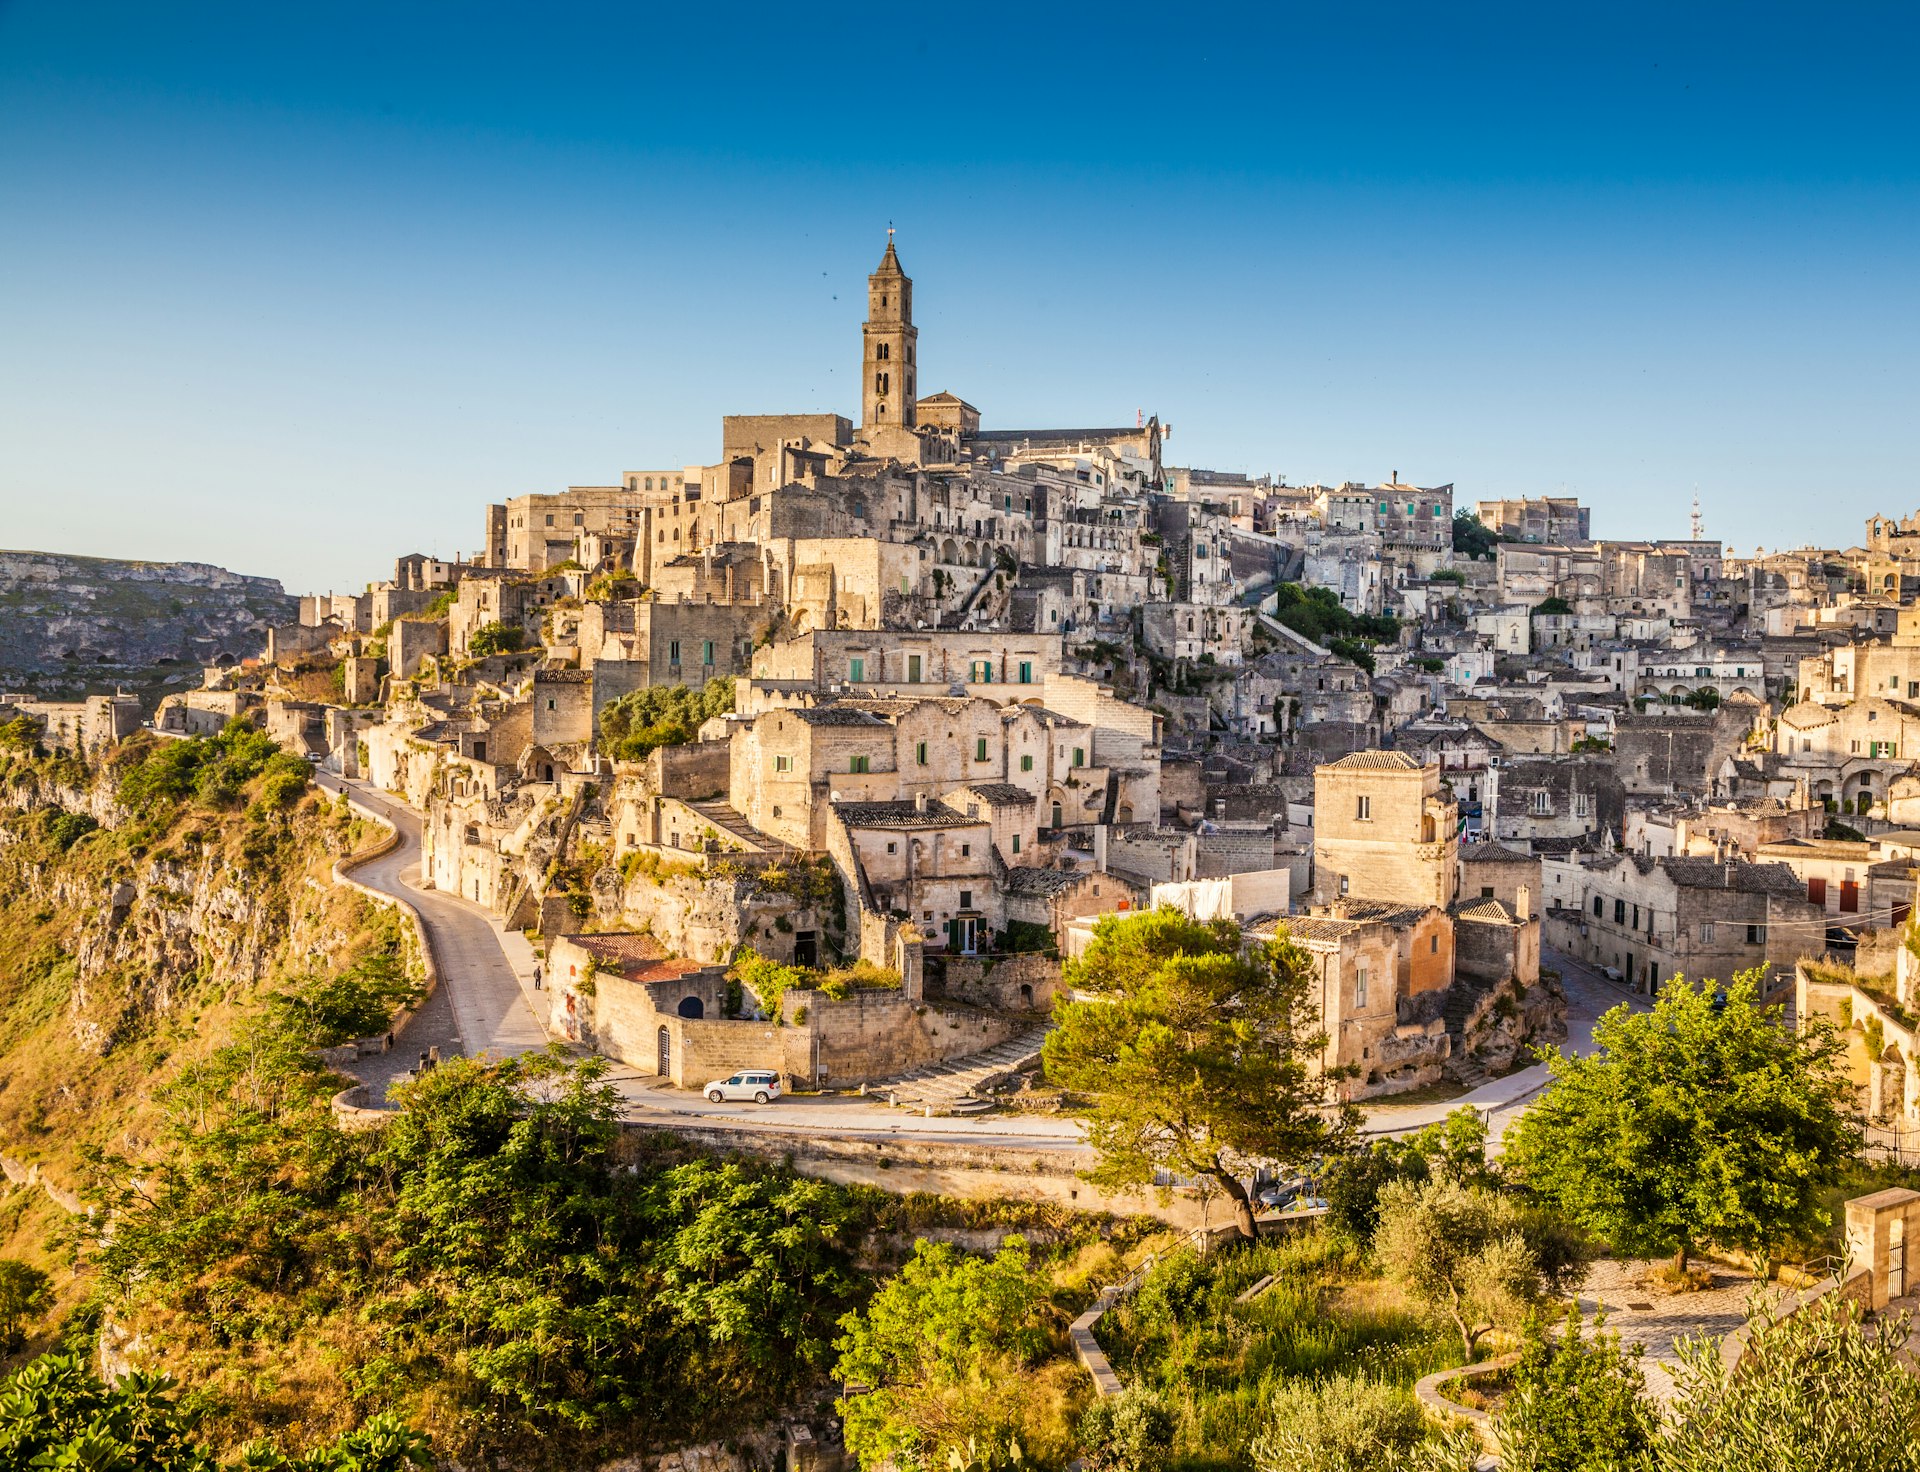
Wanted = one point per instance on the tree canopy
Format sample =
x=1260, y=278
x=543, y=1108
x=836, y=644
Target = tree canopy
x=641, y=721
x=1703, y=1120
x=1474, y=538
x=1200, y=1054
x=939, y=1355
x=214, y=770
x=56, y=1413
x=488, y=1249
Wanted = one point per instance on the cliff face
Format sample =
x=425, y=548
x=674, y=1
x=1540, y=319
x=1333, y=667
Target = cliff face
x=72, y=626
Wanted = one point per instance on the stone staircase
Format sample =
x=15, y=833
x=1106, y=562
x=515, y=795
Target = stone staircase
x=730, y=822
x=953, y=1087
x=1462, y=998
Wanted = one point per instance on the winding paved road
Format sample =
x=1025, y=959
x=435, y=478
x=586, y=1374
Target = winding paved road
x=484, y=1001
x=486, y=1004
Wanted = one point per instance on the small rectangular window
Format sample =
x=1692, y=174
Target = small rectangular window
x=1706, y=930
x=856, y=669
x=966, y=899
x=1079, y=756
x=913, y=669
x=673, y=651
x=1363, y=809
x=706, y=651
x=920, y=753
x=1026, y=672
x=1756, y=935
x=858, y=764
x=783, y=764
x=1359, y=988
x=1026, y=763
x=1016, y=843
x=980, y=749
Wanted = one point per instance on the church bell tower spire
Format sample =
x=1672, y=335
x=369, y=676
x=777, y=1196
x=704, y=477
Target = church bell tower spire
x=887, y=347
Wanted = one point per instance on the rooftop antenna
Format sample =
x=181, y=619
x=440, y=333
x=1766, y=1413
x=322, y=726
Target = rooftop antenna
x=1699, y=523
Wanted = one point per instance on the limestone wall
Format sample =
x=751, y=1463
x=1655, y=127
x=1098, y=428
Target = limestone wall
x=1019, y=983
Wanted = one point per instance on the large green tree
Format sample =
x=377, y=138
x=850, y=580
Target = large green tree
x=1704, y=1120
x=1200, y=1053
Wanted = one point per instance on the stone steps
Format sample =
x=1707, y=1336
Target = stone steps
x=950, y=1087
x=730, y=821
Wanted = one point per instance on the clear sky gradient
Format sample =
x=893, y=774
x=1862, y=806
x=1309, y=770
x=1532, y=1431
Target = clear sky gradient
x=299, y=288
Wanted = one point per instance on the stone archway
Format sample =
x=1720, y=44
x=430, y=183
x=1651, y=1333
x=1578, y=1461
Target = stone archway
x=1890, y=1085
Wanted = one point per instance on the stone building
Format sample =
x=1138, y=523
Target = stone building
x=1648, y=920
x=1384, y=829
x=1383, y=972
x=1558, y=520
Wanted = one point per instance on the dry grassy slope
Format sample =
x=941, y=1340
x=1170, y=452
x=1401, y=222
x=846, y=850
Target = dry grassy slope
x=132, y=954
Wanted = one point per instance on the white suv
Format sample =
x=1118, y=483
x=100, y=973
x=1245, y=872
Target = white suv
x=762, y=1088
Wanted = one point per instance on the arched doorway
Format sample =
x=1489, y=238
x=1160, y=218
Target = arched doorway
x=665, y=1062
x=1891, y=1078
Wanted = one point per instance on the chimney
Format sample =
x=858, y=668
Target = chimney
x=919, y=802
x=1523, y=904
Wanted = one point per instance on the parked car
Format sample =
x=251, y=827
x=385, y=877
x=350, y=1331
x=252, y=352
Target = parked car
x=761, y=1087
x=1276, y=1194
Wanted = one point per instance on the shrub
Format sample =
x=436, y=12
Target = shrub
x=64, y=830
x=24, y=1292
x=1128, y=1432
x=1349, y=1424
x=1576, y=1406
x=496, y=638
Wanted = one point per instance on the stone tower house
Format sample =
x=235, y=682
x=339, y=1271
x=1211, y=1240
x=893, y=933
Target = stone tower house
x=1384, y=829
x=887, y=347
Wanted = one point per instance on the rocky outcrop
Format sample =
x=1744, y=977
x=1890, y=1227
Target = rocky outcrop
x=1495, y=1028
x=151, y=932
x=72, y=626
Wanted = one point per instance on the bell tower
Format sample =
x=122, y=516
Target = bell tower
x=887, y=347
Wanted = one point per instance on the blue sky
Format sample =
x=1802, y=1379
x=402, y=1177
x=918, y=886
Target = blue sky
x=297, y=289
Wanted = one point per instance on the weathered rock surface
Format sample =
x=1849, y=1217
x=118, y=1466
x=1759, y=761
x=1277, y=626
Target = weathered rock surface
x=72, y=626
